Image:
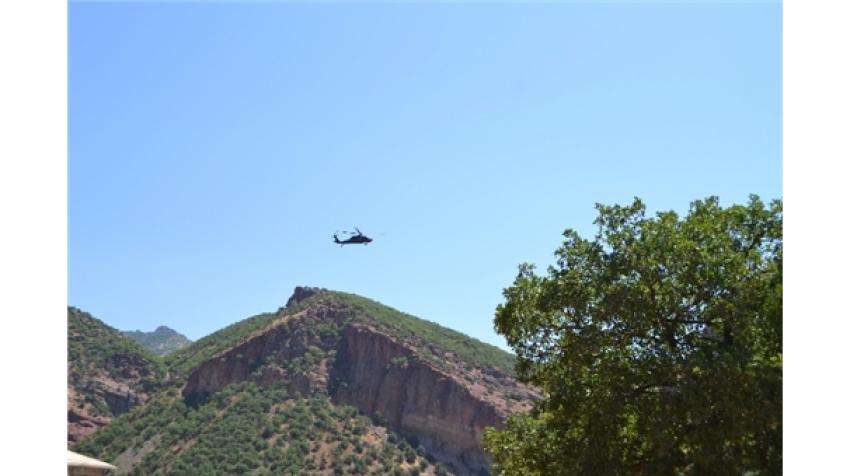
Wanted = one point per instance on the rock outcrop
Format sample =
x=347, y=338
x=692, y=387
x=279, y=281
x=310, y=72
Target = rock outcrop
x=390, y=382
x=81, y=423
x=94, y=400
x=278, y=345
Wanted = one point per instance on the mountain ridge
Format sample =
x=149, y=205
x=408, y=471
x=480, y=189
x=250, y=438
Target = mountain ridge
x=414, y=380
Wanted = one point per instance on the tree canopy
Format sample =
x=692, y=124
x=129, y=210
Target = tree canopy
x=658, y=346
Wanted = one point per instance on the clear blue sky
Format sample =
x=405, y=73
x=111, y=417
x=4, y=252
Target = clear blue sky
x=214, y=148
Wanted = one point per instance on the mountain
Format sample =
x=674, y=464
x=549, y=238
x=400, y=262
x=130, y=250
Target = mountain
x=332, y=383
x=108, y=374
x=161, y=341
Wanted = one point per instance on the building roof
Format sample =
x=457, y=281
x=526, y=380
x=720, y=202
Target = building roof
x=78, y=460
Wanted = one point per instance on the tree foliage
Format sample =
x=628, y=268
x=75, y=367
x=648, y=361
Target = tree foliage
x=658, y=346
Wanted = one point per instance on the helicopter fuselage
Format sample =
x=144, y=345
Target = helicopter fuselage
x=354, y=240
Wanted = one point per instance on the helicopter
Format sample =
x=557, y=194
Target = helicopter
x=355, y=239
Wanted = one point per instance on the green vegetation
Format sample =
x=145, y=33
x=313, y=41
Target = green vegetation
x=249, y=429
x=658, y=346
x=261, y=428
x=94, y=348
x=424, y=334
x=398, y=362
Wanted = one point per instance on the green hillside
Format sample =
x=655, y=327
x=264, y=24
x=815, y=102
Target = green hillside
x=424, y=334
x=272, y=422
x=95, y=348
x=108, y=374
x=249, y=429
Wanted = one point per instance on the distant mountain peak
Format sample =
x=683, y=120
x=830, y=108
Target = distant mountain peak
x=162, y=341
x=165, y=330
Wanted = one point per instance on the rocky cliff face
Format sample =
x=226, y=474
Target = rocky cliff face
x=443, y=409
x=94, y=401
x=273, y=352
x=81, y=422
x=389, y=381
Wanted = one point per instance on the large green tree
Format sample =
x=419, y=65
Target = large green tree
x=658, y=347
